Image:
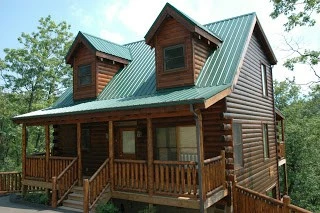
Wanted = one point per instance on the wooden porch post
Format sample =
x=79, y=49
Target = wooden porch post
x=201, y=155
x=111, y=154
x=47, y=130
x=150, y=156
x=79, y=154
x=24, y=154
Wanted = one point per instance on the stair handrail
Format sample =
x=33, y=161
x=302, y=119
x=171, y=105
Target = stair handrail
x=91, y=190
x=62, y=185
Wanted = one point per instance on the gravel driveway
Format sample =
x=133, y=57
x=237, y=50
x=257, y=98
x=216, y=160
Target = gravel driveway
x=6, y=206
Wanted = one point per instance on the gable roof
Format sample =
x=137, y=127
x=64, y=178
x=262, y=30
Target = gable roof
x=135, y=85
x=185, y=20
x=100, y=45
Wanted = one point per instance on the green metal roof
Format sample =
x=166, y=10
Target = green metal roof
x=135, y=85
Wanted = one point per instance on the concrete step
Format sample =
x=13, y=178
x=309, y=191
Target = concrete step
x=65, y=208
x=75, y=196
x=73, y=204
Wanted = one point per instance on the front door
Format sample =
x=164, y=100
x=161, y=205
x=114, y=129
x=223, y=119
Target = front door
x=127, y=143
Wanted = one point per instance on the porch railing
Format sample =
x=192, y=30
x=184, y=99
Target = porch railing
x=10, y=182
x=175, y=178
x=214, y=174
x=245, y=200
x=62, y=184
x=281, y=150
x=36, y=166
x=96, y=186
x=130, y=175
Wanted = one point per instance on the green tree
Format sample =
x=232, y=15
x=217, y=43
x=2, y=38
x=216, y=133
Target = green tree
x=37, y=69
x=302, y=114
x=299, y=13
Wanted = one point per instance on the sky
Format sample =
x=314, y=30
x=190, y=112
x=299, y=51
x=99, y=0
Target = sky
x=125, y=21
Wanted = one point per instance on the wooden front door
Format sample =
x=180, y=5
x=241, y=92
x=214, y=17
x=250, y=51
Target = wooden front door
x=127, y=143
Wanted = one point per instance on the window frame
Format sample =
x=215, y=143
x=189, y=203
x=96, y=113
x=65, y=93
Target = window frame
x=239, y=144
x=165, y=61
x=81, y=76
x=265, y=141
x=264, y=79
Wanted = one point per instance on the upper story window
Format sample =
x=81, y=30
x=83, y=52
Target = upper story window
x=84, y=75
x=264, y=80
x=265, y=139
x=174, y=57
x=237, y=145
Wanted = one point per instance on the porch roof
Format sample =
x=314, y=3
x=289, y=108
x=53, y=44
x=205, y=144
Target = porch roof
x=135, y=85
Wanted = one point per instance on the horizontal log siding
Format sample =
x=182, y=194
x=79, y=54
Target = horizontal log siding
x=84, y=56
x=247, y=105
x=66, y=140
x=201, y=53
x=106, y=70
x=172, y=33
x=98, y=151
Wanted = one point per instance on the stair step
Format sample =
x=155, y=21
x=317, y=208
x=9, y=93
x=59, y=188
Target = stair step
x=75, y=196
x=70, y=209
x=73, y=204
x=77, y=189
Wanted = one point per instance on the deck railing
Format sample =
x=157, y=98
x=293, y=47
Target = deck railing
x=281, y=150
x=62, y=184
x=10, y=182
x=175, y=178
x=130, y=175
x=36, y=166
x=214, y=174
x=246, y=200
x=96, y=186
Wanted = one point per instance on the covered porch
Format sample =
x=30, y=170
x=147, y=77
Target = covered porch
x=157, y=159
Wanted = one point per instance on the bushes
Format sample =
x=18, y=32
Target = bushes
x=37, y=197
x=108, y=207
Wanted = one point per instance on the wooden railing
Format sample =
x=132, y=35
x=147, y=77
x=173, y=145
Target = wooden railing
x=130, y=175
x=10, y=182
x=175, y=178
x=214, y=174
x=36, y=166
x=96, y=186
x=58, y=164
x=246, y=200
x=62, y=184
x=281, y=150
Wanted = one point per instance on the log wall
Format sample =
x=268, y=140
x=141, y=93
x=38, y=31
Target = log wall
x=201, y=53
x=248, y=106
x=106, y=69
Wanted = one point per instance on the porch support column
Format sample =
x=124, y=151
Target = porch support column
x=150, y=156
x=200, y=154
x=111, y=155
x=23, y=155
x=47, y=130
x=79, y=154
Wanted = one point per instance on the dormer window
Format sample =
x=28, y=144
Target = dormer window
x=174, y=57
x=84, y=75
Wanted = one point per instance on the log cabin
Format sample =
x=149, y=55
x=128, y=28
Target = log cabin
x=174, y=121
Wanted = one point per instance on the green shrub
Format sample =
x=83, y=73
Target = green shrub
x=37, y=197
x=108, y=207
x=148, y=209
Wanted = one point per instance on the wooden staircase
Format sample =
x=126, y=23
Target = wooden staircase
x=74, y=201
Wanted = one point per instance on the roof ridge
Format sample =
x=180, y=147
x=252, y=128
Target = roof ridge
x=227, y=19
x=111, y=42
x=133, y=42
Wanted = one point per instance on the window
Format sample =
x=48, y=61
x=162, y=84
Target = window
x=266, y=152
x=84, y=75
x=272, y=192
x=237, y=144
x=129, y=142
x=264, y=80
x=85, y=139
x=174, y=57
x=166, y=144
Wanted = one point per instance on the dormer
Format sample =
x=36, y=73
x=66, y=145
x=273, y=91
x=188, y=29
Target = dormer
x=94, y=61
x=181, y=47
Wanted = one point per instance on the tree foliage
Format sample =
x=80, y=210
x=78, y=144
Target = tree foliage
x=37, y=69
x=302, y=116
x=299, y=13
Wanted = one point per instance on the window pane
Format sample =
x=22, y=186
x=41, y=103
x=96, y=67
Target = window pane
x=128, y=142
x=265, y=141
x=264, y=80
x=84, y=75
x=166, y=144
x=237, y=144
x=85, y=139
x=174, y=57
